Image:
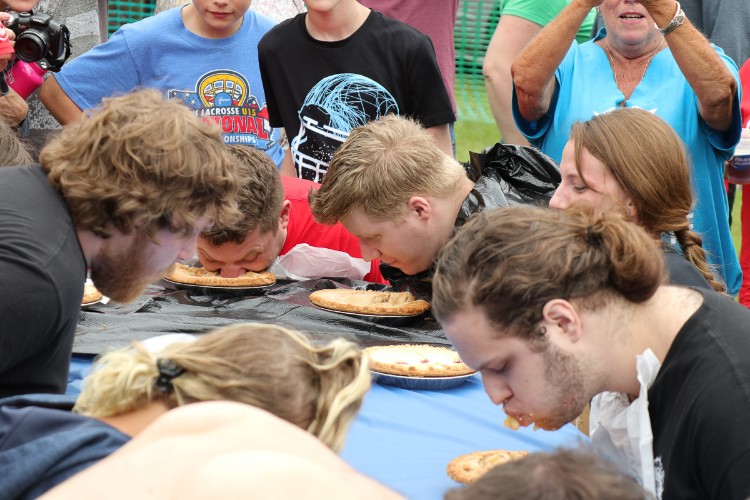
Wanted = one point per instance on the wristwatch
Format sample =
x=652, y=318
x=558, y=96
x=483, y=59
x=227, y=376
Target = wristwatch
x=676, y=22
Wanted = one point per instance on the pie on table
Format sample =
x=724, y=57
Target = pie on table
x=90, y=294
x=200, y=276
x=416, y=361
x=369, y=302
x=470, y=467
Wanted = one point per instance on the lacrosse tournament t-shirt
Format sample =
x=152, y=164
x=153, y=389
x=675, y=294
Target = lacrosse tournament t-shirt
x=218, y=79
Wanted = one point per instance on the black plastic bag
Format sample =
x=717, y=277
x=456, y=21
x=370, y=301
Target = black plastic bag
x=507, y=176
x=503, y=176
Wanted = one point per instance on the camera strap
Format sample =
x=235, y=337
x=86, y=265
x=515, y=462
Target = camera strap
x=3, y=85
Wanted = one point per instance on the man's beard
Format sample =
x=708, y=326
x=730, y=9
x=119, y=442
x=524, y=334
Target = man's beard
x=123, y=274
x=567, y=377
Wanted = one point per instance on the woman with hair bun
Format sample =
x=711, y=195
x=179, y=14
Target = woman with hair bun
x=318, y=389
x=555, y=308
x=632, y=161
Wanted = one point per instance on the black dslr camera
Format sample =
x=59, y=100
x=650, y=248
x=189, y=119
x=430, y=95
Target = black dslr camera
x=39, y=38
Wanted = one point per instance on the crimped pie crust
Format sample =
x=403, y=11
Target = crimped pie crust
x=369, y=302
x=416, y=361
x=90, y=294
x=200, y=276
x=470, y=467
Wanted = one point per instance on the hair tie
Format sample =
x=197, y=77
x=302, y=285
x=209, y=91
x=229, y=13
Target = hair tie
x=594, y=238
x=168, y=370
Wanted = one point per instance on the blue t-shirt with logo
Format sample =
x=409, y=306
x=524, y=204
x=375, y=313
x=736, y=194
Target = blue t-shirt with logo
x=218, y=79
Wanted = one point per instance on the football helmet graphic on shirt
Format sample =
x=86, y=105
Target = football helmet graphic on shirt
x=332, y=108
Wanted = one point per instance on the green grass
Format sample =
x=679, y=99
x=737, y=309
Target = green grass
x=736, y=232
x=475, y=136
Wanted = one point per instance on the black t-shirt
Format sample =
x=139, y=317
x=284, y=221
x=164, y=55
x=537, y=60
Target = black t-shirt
x=681, y=271
x=699, y=406
x=385, y=67
x=42, y=271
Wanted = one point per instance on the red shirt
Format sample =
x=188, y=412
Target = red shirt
x=745, y=103
x=302, y=227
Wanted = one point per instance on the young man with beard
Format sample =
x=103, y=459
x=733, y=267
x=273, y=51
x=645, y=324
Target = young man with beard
x=559, y=308
x=122, y=193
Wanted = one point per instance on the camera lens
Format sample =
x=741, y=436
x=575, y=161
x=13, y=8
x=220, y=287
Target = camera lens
x=31, y=46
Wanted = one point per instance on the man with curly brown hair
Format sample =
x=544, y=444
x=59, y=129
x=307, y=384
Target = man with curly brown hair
x=121, y=194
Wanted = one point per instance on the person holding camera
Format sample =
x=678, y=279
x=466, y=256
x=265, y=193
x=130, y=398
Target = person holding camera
x=32, y=44
x=13, y=108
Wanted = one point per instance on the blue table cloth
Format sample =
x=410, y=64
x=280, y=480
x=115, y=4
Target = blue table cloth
x=405, y=438
x=402, y=438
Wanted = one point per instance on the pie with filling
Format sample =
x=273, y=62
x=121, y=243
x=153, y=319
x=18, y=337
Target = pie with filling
x=470, y=467
x=369, y=302
x=416, y=361
x=90, y=294
x=200, y=276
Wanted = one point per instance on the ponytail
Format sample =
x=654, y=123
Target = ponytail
x=344, y=379
x=692, y=248
x=510, y=262
x=270, y=367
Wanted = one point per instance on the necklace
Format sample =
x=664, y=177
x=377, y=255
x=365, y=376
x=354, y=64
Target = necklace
x=624, y=87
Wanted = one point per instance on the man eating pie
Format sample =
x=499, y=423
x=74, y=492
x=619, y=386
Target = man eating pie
x=277, y=223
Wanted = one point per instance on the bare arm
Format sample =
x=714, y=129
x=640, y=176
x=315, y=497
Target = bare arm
x=704, y=70
x=533, y=71
x=13, y=108
x=442, y=137
x=510, y=38
x=58, y=103
x=287, y=164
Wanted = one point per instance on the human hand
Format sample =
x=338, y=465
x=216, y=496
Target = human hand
x=651, y=4
x=13, y=108
x=590, y=4
x=660, y=9
x=7, y=40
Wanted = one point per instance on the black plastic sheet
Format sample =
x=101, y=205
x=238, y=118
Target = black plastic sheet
x=164, y=309
x=511, y=175
x=503, y=176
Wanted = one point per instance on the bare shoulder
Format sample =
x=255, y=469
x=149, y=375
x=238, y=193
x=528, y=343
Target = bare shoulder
x=221, y=449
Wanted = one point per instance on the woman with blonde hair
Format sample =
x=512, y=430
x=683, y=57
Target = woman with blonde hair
x=631, y=160
x=319, y=389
